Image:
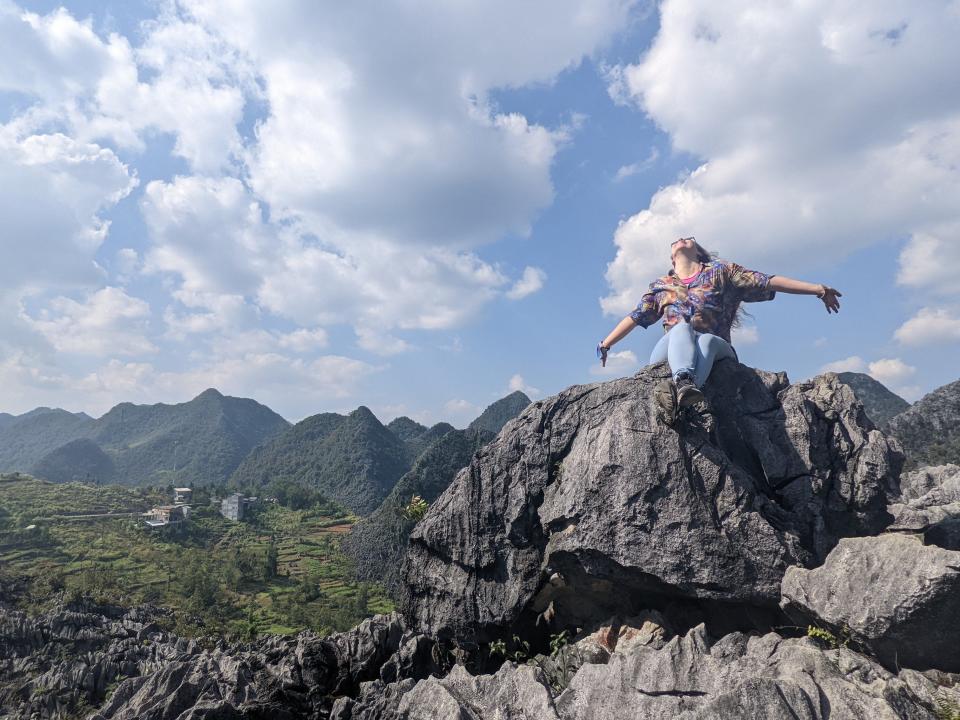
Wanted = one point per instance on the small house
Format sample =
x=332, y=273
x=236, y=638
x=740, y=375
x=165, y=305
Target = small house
x=182, y=495
x=164, y=515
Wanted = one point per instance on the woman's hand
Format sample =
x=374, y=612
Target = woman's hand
x=830, y=297
x=602, y=353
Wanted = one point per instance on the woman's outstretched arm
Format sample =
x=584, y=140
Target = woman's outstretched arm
x=826, y=293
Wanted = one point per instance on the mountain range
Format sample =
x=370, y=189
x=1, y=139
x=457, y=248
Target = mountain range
x=353, y=459
x=201, y=441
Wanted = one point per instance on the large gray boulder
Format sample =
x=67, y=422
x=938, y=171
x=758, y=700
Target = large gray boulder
x=896, y=596
x=585, y=506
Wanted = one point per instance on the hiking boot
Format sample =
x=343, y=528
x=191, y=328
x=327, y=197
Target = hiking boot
x=665, y=395
x=687, y=392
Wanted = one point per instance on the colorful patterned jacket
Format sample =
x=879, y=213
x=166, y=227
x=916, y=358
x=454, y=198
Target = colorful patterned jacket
x=709, y=303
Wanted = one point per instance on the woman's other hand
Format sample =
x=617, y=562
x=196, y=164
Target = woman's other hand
x=830, y=297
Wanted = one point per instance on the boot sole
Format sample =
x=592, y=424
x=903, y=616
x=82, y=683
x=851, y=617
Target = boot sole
x=690, y=397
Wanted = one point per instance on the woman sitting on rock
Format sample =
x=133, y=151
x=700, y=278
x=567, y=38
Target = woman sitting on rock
x=699, y=300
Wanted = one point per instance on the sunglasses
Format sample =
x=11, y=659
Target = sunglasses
x=682, y=239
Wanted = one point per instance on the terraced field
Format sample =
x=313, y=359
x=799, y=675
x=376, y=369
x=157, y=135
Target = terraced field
x=279, y=571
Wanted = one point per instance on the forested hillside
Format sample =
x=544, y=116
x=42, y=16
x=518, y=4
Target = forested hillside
x=352, y=459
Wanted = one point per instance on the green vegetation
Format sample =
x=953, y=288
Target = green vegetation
x=416, y=509
x=279, y=571
x=828, y=639
x=879, y=403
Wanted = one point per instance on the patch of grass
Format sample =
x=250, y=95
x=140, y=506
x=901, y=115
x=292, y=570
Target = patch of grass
x=827, y=638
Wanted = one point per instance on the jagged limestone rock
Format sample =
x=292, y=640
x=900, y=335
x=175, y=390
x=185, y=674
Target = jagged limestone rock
x=585, y=506
x=518, y=692
x=897, y=596
x=68, y=658
x=758, y=677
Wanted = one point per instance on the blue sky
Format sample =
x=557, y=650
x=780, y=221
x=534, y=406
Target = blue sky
x=422, y=207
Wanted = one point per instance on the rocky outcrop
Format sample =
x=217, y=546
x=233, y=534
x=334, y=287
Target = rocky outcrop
x=929, y=430
x=895, y=595
x=929, y=504
x=740, y=677
x=67, y=659
x=585, y=506
x=155, y=675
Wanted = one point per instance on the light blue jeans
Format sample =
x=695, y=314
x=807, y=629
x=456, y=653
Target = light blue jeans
x=691, y=352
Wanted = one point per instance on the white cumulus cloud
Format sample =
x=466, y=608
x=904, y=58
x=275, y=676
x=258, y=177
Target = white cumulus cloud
x=531, y=281
x=618, y=364
x=890, y=371
x=518, y=383
x=854, y=363
x=932, y=326
x=107, y=322
x=811, y=134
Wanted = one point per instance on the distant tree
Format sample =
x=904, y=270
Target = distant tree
x=198, y=581
x=362, y=600
x=270, y=564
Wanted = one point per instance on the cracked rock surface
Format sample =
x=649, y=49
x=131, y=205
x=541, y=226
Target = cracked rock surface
x=585, y=505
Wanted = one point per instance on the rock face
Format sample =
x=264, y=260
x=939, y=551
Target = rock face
x=585, y=506
x=930, y=429
x=897, y=596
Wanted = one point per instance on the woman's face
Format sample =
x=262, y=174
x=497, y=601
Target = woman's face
x=679, y=244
